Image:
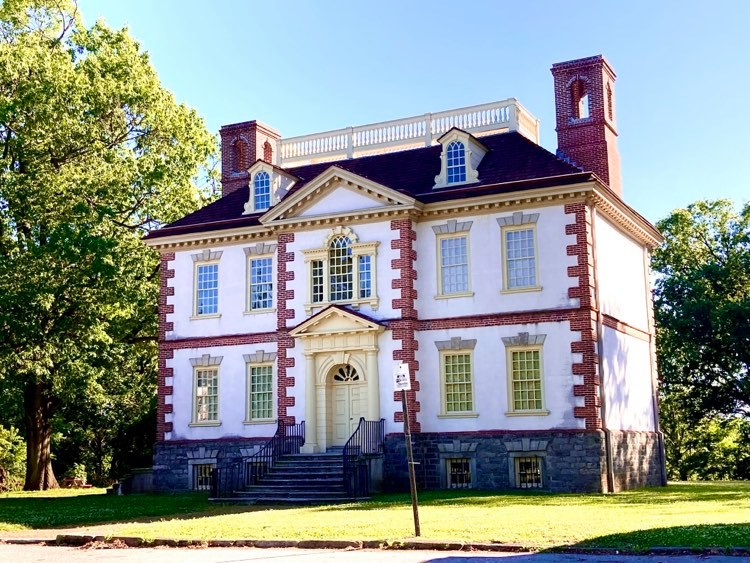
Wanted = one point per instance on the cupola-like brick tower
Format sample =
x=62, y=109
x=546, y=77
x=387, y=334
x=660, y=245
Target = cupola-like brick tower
x=585, y=109
x=241, y=145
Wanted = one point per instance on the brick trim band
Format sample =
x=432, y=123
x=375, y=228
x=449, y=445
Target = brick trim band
x=284, y=313
x=625, y=328
x=165, y=353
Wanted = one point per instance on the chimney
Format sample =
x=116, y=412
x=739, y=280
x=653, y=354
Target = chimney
x=585, y=109
x=241, y=145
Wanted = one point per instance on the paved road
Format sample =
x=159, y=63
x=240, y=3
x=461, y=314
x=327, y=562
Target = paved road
x=43, y=554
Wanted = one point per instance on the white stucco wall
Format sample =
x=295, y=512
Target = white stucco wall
x=232, y=394
x=232, y=297
x=340, y=199
x=621, y=276
x=626, y=371
x=486, y=267
x=490, y=380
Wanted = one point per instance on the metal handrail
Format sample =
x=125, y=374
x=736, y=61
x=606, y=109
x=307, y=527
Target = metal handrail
x=367, y=441
x=239, y=475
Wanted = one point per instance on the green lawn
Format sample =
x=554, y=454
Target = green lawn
x=682, y=514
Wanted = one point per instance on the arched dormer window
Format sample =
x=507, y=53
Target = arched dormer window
x=456, y=165
x=238, y=155
x=262, y=191
x=579, y=98
x=342, y=271
x=340, y=268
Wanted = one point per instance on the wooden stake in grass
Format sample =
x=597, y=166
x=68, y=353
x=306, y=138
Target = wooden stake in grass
x=402, y=382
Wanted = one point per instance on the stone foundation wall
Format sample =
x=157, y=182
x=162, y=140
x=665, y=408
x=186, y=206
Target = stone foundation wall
x=636, y=459
x=172, y=460
x=572, y=461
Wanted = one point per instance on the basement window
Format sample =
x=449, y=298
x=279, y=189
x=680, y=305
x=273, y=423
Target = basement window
x=458, y=473
x=528, y=472
x=202, y=476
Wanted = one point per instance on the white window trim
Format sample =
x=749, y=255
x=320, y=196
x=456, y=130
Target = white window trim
x=456, y=346
x=439, y=263
x=259, y=251
x=206, y=362
x=205, y=258
x=259, y=358
x=518, y=222
x=322, y=255
x=522, y=343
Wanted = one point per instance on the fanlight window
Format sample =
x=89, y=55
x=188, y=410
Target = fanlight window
x=262, y=191
x=346, y=374
x=456, y=166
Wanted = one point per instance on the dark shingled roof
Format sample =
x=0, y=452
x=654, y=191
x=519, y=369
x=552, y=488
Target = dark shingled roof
x=512, y=163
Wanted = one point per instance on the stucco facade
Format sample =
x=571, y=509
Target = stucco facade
x=519, y=298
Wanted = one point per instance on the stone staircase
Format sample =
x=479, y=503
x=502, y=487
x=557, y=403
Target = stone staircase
x=300, y=479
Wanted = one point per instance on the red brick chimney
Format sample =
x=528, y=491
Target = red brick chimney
x=585, y=108
x=241, y=145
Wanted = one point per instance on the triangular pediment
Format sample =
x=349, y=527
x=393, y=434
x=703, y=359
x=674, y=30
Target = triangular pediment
x=335, y=320
x=337, y=192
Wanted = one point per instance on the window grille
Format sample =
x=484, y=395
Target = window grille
x=528, y=472
x=206, y=395
x=261, y=393
x=458, y=392
x=520, y=259
x=207, y=289
x=262, y=191
x=261, y=283
x=340, y=269
x=526, y=372
x=454, y=265
x=202, y=476
x=458, y=473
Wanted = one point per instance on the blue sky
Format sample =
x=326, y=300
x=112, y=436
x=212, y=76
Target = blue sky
x=682, y=91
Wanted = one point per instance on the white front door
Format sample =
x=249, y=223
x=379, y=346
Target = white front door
x=348, y=404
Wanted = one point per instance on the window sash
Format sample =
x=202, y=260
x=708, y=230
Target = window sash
x=526, y=380
x=340, y=270
x=454, y=265
x=262, y=191
x=207, y=289
x=261, y=283
x=365, y=276
x=520, y=258
x=457, y=383
x=206, y=395
x=317, y=281
x=260, y=393
x=456, y=163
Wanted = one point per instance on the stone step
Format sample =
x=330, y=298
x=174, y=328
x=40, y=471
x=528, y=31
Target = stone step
x=244, y=498
x=281, y=490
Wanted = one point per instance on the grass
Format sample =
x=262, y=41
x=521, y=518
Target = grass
x=682, y=514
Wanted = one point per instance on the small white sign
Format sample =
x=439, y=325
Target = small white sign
x=401, y=380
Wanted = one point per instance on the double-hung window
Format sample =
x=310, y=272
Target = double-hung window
x=525, y=374
x=261, y=283
x=206, y=399
x=519, y=252
x=453, y=264
x=206, y=284
x=259, y=392
x=343, y=271
x=457, y=377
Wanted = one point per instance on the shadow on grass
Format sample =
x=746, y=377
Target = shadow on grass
x=701, y=536
x=39, y=512
x=726, y=492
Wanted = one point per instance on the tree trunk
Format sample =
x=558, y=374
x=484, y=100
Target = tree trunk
x=37, y=404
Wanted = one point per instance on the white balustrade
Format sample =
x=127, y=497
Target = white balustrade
x=421, y=130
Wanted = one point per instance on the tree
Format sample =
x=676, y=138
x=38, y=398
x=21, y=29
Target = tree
x=702, y=307
x=95, y=152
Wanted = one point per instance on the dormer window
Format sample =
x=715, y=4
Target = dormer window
x=262, y=191
x=268, y=185
x=456, y=167
x=460, y=159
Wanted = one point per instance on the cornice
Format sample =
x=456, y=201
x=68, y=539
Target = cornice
x=624, y=216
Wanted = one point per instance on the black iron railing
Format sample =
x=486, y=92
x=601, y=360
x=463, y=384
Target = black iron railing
x=367, y=441
x=237, y=476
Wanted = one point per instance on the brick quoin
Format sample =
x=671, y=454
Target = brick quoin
x=284, y=313
x=584, y=319
x=404, y=328
x=165, y=353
